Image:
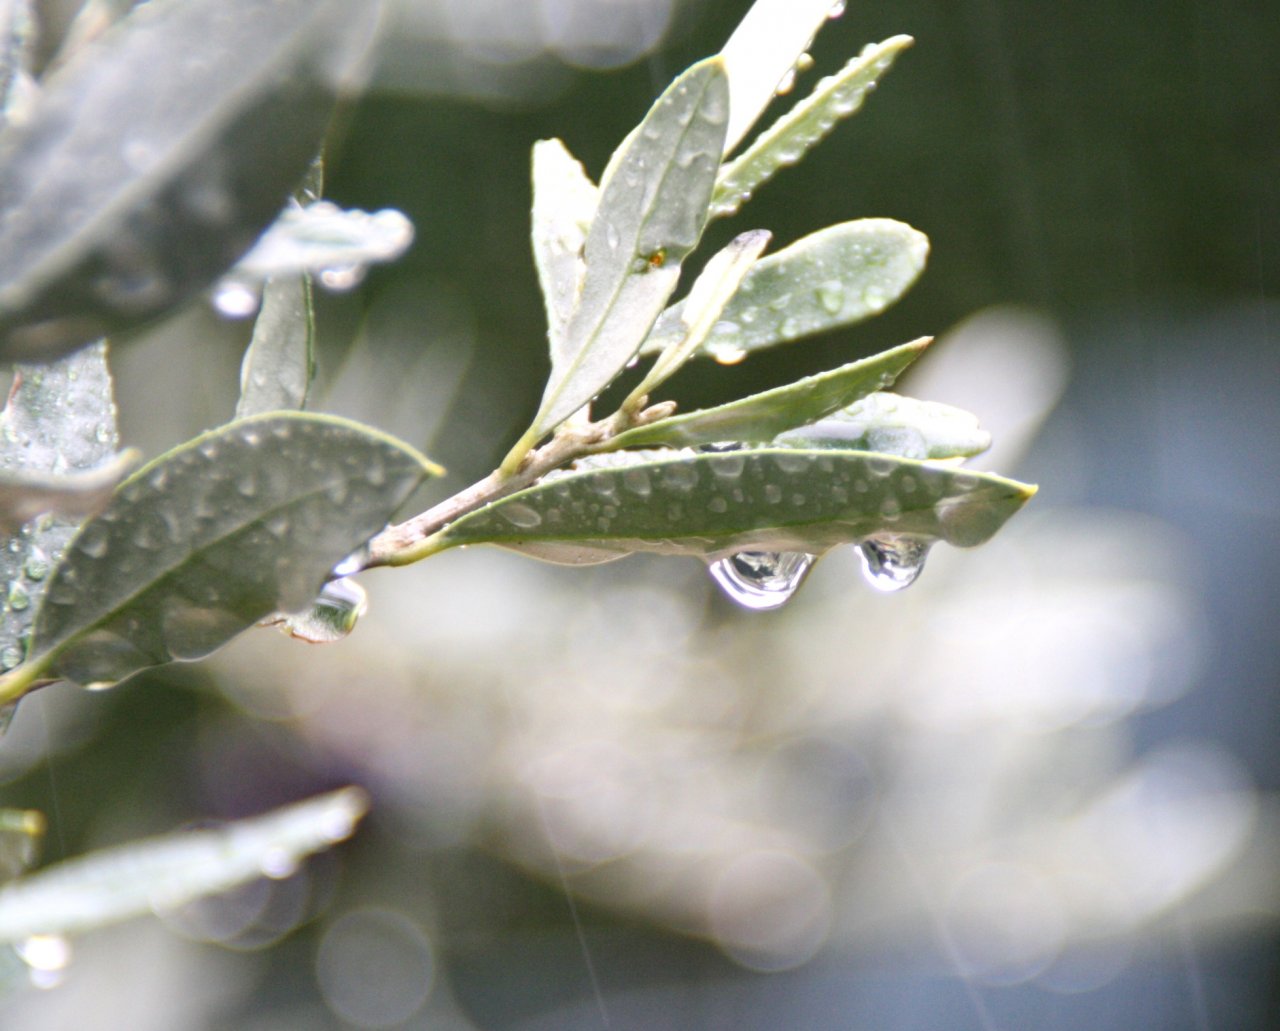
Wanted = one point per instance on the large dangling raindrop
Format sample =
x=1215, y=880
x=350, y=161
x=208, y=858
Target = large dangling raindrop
x=891, y=563
x=331, y=618
x=761, y=580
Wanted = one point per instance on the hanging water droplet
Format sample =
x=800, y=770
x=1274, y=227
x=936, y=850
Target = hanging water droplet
x=726, y=354
x=235, y=299
x=340, y=278
x=761, y=580
x=831, y=296
x=787, y=84
x=331, y=618
x=892, y=563
x=47, y=957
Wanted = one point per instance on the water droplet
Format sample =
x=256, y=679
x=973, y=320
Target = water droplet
x=47, y=957
x=772, y=493
x=787, y=84
x=892, y=563
x=761, y=580
x=837, y=9
x=637, y=481
x=10, y=657
x=19, y=600
x=611, y=236
x=102, y=434
x=93, y=542
x=278, y=863
x=235, y=299
x=517, y=513
x=831, y=296
x=718, y=505
x=340, y=278
x=874, y=299
x=332, y=617
x=791, y=328
x=100, y=685
x=726, y=354
x=247, y=484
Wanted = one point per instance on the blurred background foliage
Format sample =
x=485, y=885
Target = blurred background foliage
x=1037, y=790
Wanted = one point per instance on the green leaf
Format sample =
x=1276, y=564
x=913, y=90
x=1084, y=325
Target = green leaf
x=805, y=125
x=23, y=496
x=21, y=831
x=59, y=424
x=651, y=214
x=280, y=360
x=762, y=54
x=151, y=162
x=564, y=203
x=716, y=503
x=212, y=537
x=761, y=417
x=711, y=292
x=137, y=879
x=896, y=425
x=831, y=278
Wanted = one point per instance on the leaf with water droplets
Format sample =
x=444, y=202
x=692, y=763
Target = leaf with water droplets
x=805, y=125
x=762, y=417
x=564, y=203
x=59, y=423
x=280, y=360
x=898, y=426
x=151, y=162
x=651, y=214
x=211, y=538
x=832, y=278
x=713, y=504
x=712, y=290
x=76, y=495
x=161, y=873
x=763, y=52
x=21, y=832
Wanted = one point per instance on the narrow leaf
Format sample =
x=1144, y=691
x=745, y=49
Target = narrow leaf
x=564, y=203
x=767, y=499
x=212, y=537
x=150, y=163
x=59, y=423
x=23, y=496
x=138, y=879
x=711, y=292
x=335, y=244
x=763, y=51
x=896, y=425
x=805, y=125
x=832, y=278
x=761, y=417
x=280, y=360
x=651, y=214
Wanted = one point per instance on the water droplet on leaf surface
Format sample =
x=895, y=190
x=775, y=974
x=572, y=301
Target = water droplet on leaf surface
x=761, y=580
x=892, y=563
x=233, y=299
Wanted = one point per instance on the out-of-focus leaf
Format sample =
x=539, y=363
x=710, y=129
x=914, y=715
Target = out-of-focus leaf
x=564, y=203
x=59, y=421
x=152, y=161
x=763, y=499
x=21, y=831
x=280, y=360
x=132, y=880
x=711, y=292
x=651, y=214
x=762, y=53
x=896, y=425
x=761, y=417
x=210, y=538
x=831, y=278
x=17, y=37
x=23, y=496
x=805, y=125
x=334, y=244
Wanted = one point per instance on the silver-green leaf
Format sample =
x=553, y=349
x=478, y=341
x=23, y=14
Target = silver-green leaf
x=210, y=538
x=762, y=417
x=280, y=360
x=651, y=214
x=897, y=425
x=161, y=873
x=829, y=279
x=805, y=125
x=153, y=160
x=712, y=504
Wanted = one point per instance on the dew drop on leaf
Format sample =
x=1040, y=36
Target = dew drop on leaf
x=234, y=299
x=892, y=563
x=761, y=580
